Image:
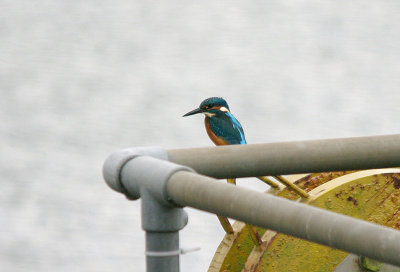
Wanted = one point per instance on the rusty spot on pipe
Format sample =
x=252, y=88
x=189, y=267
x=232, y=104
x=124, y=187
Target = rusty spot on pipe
x=396, y=183
x=350, y=198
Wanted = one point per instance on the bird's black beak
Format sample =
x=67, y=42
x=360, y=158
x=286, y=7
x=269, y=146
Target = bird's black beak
x=195, y=111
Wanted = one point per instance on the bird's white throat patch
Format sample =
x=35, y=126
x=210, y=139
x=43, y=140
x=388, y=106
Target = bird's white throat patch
x=209, y=114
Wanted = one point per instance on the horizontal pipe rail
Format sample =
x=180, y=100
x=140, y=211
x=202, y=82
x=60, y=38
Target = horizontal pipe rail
x=291, y=157
x=289, y=217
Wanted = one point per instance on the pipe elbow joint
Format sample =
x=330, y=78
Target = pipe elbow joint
x=135, y=170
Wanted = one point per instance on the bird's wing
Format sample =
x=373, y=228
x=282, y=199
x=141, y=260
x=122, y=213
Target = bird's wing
x=228, y=128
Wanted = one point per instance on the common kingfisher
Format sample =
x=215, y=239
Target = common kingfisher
x=223, y=129
x=221, y=126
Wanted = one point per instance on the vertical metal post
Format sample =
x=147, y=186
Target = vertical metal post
x=162, y=251
x=162, y=225
x=136, y=175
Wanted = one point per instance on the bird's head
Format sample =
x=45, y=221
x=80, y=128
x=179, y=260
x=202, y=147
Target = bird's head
x=210, y=107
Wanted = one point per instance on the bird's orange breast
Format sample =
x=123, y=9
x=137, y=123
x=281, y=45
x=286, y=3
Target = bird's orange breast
x=216, y=140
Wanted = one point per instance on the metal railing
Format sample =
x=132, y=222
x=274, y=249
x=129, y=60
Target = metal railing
x=271, y=159
x=165, y=187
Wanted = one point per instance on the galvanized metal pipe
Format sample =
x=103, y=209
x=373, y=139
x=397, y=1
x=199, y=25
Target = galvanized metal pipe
x=289, y=217
x=291, y=157
x=162, y=251
x=143, y=173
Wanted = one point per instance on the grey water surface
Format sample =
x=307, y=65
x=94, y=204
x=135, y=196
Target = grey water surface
x=80, y=79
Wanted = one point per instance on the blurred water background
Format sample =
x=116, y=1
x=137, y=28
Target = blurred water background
x=80, y=79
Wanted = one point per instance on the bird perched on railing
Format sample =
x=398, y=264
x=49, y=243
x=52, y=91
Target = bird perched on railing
x=224, y=129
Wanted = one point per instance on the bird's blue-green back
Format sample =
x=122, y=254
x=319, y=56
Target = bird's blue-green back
x=226, y=127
